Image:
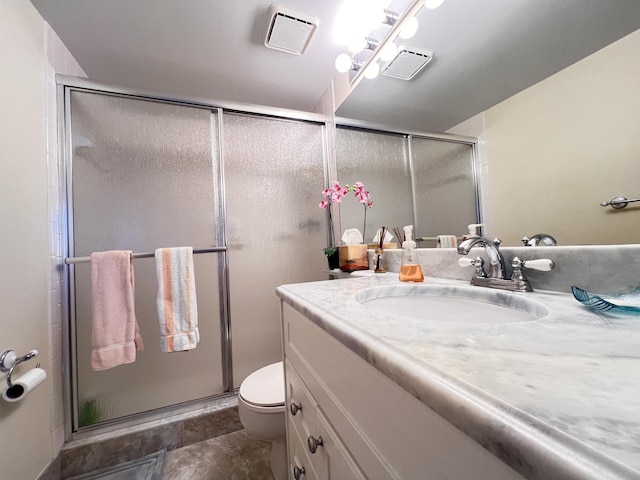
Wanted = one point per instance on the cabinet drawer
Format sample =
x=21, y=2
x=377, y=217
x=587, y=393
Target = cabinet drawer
x=298, y=456
x=336, y=462
x=330, y=459
x=304, y=423
x=301, y=406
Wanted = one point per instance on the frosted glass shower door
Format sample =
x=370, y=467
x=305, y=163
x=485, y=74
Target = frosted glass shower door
x=274, y=177
x=445, y=187
x=381, y=162
x=143, y=176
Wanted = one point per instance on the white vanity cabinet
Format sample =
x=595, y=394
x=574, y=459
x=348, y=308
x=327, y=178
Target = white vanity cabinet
x=361, y=424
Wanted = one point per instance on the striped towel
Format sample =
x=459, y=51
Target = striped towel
x=177, y=306
x=447, y=241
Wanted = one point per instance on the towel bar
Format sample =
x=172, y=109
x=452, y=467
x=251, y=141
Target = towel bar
x=423, y=239
x=619, y=202
x=74, y=260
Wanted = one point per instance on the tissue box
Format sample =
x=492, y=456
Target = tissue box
x=353, y=257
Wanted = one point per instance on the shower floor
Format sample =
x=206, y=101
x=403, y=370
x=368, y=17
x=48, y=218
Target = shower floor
x=234, y=456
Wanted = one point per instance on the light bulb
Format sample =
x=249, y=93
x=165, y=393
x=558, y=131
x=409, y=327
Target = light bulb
x=372, y=71
x=433, y=4
x=343, y=62
x=389, y=51
x=410, y=28
x=357, y=44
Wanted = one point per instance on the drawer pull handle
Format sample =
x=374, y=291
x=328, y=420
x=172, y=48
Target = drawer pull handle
x=313, y=443
x=298, y=472
x=295, y=408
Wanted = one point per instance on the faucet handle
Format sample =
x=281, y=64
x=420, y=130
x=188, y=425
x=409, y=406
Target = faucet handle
x=477, y=262
x=466, y=262
x=542, y=264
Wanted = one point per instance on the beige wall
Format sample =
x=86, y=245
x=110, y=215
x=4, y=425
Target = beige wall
x=26, y=426
x=559, y=148
x=31, y=431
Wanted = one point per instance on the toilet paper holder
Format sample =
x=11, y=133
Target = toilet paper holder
x=9, y=361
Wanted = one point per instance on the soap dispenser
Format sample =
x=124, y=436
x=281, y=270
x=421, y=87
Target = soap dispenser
x=410, y=270
x=473, y=230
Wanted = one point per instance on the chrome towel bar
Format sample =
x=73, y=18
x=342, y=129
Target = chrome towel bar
x=73, y=260
x=619, y=202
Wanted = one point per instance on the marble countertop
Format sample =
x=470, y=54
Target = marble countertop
x=555, y=398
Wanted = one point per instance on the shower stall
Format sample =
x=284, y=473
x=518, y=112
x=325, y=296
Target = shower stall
x=143, y=172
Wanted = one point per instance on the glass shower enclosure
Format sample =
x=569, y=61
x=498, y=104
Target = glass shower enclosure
x=145, y=173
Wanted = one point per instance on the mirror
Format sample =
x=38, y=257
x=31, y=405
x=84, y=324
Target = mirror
x=425, y=182
x=551, y=89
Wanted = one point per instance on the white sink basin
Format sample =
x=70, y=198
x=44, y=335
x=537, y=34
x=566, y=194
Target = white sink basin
x=453, y=304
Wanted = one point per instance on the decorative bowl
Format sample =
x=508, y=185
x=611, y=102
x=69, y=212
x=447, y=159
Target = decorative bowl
x=623, y=302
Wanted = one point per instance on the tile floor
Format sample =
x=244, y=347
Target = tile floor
x=234, y=456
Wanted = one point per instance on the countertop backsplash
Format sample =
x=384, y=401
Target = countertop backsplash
x=596, y=268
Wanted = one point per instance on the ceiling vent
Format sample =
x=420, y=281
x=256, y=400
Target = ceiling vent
x=407, y=63
x=289, y=31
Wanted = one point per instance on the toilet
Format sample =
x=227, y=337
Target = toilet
x=262, y=412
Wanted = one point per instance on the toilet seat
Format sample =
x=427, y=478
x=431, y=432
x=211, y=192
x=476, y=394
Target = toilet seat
x=264, y=390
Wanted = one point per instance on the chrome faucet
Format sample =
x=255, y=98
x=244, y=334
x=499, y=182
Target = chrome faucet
x=497, y=277
x=497, y=267
x=539, y=240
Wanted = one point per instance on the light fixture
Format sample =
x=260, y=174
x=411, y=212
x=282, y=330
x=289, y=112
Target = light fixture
x=372, y=70
x=433, y=4
x=410, y=29
x=390, y=18
x=388, y=51
x=357, y=44
x=344, y=62
x=358, y=18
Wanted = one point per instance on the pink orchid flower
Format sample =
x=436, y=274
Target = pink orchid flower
x=337, y=192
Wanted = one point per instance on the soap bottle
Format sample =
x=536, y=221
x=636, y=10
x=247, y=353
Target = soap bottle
x=473, y=230
x=410, y=270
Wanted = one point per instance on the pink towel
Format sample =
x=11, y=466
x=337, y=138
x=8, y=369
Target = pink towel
x=115, y=335
x=177, y=305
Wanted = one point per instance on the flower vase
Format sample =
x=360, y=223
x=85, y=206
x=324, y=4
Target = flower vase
x=334, y=260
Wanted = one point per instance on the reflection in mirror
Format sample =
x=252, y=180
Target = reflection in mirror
x=425, y=182
x=558, y=149
x=555, y=109
x=381, y=162
x=445, y=188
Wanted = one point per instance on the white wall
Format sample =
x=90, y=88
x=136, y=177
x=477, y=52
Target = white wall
x=31, y=431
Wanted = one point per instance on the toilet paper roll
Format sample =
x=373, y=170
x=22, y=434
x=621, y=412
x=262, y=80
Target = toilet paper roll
x=21, y=387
